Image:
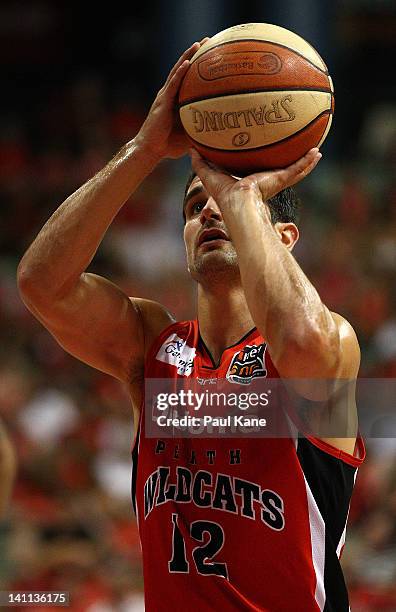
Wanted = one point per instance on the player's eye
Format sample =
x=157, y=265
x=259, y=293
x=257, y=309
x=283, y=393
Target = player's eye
x=197, y=207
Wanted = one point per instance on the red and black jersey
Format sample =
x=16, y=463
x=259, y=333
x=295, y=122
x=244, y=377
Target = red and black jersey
x=238, y=523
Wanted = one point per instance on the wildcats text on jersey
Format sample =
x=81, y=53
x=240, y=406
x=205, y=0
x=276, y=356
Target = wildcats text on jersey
x=224, y=492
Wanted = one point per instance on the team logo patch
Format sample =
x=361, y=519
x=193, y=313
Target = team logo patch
x=247, y=364
x=178, y=353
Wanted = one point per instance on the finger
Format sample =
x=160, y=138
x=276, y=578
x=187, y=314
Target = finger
x=301, y=168
x=173, y=84
x=213, y=179
x=291, y=175
x=302, y=163
x=188, y=53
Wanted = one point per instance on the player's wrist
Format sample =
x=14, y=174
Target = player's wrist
x=143, y=149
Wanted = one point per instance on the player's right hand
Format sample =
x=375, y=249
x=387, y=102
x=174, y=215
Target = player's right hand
x=162, y=134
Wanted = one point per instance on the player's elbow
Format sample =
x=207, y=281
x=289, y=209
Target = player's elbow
x=35, y=290
x=313, y=354
x=27, y=281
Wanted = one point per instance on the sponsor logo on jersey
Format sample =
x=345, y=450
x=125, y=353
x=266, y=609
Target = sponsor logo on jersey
x=175, y=351
x=246, y=364
x=207, y=381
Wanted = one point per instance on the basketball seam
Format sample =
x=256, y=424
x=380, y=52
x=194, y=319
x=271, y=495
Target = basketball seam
x=327, y=129
x=228, y=42
x=273, y=144
x=252, y=91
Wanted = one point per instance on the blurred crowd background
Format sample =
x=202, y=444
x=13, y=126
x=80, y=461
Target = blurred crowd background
x=77, y=82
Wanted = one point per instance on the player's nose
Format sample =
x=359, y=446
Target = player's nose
x=210, y=211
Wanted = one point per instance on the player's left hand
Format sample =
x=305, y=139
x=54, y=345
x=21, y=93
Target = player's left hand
x=264, y=185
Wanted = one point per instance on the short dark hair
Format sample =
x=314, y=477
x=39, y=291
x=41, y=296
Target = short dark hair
x=284, y=207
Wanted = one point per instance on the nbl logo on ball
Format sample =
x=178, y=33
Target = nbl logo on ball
x=247, y=364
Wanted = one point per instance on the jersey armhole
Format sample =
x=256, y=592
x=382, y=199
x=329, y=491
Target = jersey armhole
x=355, y=460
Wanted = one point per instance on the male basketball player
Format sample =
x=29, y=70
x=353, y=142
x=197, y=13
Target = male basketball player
x=225, y=524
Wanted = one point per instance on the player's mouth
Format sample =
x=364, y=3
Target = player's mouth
x=212, y=235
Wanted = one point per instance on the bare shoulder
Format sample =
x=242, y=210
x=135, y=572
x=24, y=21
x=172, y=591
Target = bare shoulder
x=155, y=318
x=349, y=348
x=343, y=324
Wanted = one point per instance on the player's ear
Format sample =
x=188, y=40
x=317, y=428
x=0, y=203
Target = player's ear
x=288, y=233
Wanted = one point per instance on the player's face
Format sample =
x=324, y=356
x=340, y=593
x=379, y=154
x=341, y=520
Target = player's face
x=209, y=249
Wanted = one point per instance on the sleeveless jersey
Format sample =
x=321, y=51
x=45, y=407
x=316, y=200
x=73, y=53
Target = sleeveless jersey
x=237, y=524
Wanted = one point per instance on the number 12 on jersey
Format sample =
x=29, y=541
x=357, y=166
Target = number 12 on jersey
x=202, y=555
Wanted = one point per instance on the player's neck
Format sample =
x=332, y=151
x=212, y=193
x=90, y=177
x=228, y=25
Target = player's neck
x=223, y=317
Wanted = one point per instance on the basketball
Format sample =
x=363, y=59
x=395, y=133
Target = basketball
x=256, y=96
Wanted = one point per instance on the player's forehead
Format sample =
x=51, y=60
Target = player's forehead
x=195, y=186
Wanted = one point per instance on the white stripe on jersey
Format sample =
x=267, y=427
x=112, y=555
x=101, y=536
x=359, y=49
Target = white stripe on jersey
x=318, y=532
x=343, y=535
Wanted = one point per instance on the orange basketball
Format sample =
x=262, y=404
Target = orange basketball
x=256, y=96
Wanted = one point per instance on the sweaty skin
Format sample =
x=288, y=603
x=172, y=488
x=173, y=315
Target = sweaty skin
x=247, y=278
x=251, y=274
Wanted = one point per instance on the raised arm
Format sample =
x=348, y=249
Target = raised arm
x=88, y=315
x=305, y=340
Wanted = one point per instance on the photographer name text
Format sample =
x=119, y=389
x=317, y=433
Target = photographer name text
x=231, y=420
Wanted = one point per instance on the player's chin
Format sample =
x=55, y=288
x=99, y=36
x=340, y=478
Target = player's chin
x=214, y=246
x=212, y=261
x=223, y=251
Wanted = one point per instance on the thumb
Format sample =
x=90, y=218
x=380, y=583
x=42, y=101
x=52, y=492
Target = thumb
x=214, y=179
